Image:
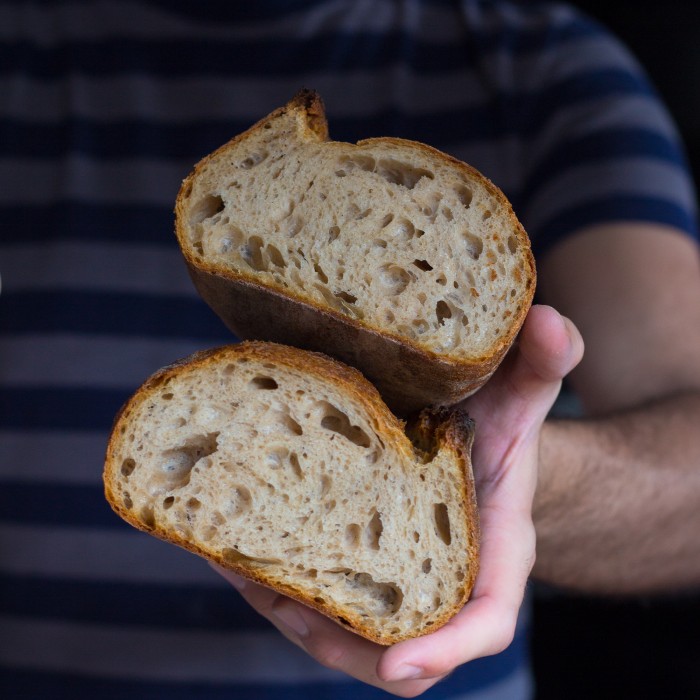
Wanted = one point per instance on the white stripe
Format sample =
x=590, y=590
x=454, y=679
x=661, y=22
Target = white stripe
x=99, y=20
x=132, y=181
x=97, y=555
x=173, y=656
x=640, y=112
x=63, y=458
x=47, y=26
x=636, y=176
x=109, y=99
x=114, y=267
x=80, y=361
x=135, y=653
x=179, y=101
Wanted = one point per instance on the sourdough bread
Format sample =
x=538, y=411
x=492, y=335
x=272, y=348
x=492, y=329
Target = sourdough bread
x=387, y=254
x=286, y=467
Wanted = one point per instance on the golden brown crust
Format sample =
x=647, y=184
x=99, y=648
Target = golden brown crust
x=408, y=376
x=449, y=429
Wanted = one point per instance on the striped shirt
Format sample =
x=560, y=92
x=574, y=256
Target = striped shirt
x=105, y=107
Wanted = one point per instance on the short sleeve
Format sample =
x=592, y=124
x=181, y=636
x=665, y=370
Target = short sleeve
x=602, y=145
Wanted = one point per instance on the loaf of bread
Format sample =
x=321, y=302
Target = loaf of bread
x=287, y=467
x=387, y=254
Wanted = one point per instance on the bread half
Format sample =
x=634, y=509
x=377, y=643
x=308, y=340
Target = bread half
x=286, y=467
x=387, y=254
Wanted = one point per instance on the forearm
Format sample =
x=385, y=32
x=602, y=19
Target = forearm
x=617, y=508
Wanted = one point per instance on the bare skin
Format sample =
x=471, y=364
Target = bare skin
x=618, y=502
x=614, y=497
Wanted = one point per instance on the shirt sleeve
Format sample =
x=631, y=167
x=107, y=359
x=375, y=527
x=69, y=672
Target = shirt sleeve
x=603, y=147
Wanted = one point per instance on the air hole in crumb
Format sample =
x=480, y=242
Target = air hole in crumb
x=276, y=258
x=403, y=230
x=380, y=598
x=464, y=195
x=333, y=233
x=240, y=501
x=251, y=253
x=420, y=326
x=168, y=502
x=512, y=244
x=147, y=517
x=178, y=463
x=423, y=265
x=373, y=531
x=289, y=424
x=336, y=421
x=416, y=536
x=294, y=225
x=474, y=245
x=398, y=173
x=321, y=274
x=393, y=278
x=442, y=311
x=193, y=504
x=442, y=523
x=128, y=466
x=206, y=208
x=426, y=566
x=296, y=467
x=326, y=483
x=253, y=159
x=345, y=296
x=352, y=536
x=128, y=503
x=263, y=383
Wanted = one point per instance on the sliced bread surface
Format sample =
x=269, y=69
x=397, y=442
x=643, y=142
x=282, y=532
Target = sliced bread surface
x=286, y=467
x=388, y=254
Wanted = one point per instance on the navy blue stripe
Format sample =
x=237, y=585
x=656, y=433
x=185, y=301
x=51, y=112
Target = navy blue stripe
x=605, y=146
x=213, y=11
x=506, y=114
x=81, y=221
x=190, y=607
x=476, y=675
x=65, y=505
x=111, y=313
x=618, y=208
x=336, y=51
x=281, y=57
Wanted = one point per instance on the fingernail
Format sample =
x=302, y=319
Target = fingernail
x=292, y=618
x=407, y=672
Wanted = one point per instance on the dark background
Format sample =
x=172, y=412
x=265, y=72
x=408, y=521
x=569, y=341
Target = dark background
x=634, y=648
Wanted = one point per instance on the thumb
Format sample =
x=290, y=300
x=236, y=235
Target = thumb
x=548, y=348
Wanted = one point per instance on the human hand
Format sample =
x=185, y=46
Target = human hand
x=509, y=411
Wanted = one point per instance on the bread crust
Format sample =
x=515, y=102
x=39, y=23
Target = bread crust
x=446, y=429
x=409, y=376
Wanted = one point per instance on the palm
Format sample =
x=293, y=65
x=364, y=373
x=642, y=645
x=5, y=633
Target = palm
x=509, y=411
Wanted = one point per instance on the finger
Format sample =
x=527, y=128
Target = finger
x=549, y=344
x=320, y=637
x=511, y=407
x=260, y=598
